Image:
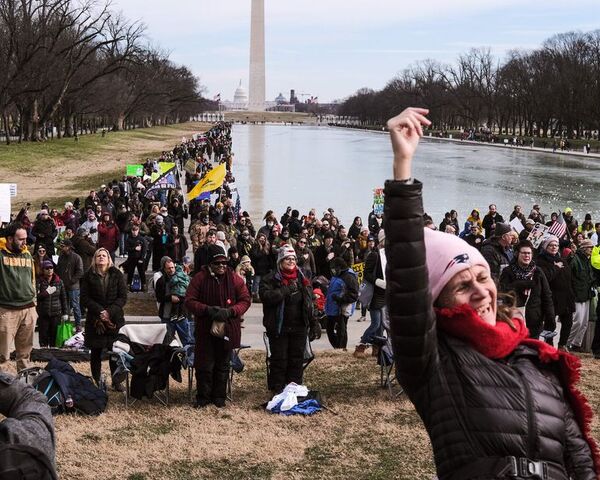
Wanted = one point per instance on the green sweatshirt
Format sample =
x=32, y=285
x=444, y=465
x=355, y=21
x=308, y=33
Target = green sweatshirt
x=17, y=278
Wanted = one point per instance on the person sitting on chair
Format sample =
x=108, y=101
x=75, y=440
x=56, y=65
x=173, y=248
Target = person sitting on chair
x=287, y=298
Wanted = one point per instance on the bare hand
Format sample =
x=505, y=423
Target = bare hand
x=174, y=299
x=405, y=132
x=104, y=315
x=559, y=264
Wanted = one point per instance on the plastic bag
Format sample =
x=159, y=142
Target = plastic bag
x=64, y=331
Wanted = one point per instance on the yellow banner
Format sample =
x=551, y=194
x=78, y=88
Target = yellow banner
x=359, y=268
x=211, y=181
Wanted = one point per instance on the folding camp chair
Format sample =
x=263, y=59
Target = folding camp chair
x=236, y=365
x=309, y=356
x=146, y=335
x=385, y=359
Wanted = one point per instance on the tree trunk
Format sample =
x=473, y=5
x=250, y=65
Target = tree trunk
x=5, y=127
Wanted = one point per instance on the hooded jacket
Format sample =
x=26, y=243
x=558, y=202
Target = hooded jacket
x=17, y=278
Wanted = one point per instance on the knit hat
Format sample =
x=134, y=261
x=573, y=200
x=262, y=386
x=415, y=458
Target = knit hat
x=245, y=259
x=284, y=252
x=215, y=252
x=446, y=256
x=220, y=235
x=82, y=231
x=502, y=229
x=47, y=264
x=547, y=240
x=530, y=221
x=159, y=219
x=67, y=243
x=586, y=244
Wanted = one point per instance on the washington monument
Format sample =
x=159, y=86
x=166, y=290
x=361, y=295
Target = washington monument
x=256, y=98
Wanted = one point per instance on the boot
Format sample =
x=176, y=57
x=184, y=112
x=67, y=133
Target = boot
x=255, y=298
x=360, y=351
x=375, y=350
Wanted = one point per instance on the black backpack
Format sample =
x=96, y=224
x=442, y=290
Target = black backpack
x=22, y=462
x=44, y=382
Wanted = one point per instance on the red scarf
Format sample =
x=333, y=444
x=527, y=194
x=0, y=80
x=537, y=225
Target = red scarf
x=498, y=341
x=291, y=276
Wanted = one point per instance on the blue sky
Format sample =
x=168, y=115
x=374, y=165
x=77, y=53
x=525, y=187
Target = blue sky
x=331, y=48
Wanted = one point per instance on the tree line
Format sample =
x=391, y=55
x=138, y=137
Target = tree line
x=549, y=91
x=74, y=66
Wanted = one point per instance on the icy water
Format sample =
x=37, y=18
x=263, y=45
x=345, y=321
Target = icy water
x=305, y=167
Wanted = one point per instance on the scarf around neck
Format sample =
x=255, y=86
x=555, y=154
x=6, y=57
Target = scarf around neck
x=499, y=341
x=523, y=273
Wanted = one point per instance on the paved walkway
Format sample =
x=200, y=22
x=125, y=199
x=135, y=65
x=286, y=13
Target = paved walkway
x=252, y=329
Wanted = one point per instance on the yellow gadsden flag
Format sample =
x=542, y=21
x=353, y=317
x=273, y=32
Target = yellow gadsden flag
x=211, y=181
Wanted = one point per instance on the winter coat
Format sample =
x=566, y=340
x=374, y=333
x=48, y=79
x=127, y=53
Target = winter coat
x=540, y=308
x=489, y=223
x=560, y=283
x=70, y=269
x=230, y=291
x=84, y=247
x=262, y=262
x=582, y=277
x=344, y=286
x=44, y=231
x=108, y=236
x=472, y=406
x=95, y=300
x=372, y=272
x=54, y=304
x=131, y=244
x=275, y=302
x=496, y=256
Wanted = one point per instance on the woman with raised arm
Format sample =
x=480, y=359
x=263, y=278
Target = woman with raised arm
x=496, y=404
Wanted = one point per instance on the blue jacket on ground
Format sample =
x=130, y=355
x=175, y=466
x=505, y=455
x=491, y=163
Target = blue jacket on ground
x=344, y=286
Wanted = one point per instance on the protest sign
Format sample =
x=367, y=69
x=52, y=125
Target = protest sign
x=5, y=203
x=359, y=268
x=538, y=234
x=378, y=201
x=516, y=224
x=135, y=170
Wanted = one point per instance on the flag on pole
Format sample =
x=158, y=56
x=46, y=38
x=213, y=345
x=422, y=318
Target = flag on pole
x=217, y=97
x=558, y=228
x=166, y=180
x=237, y=208
x=211, y=181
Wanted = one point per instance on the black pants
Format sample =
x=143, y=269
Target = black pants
x=596, y=340
x=96, y=364
x=287, y=358
x=47, y=330
x=212, y=363
x=132, y=264
x=566, y=322
x=337, y=331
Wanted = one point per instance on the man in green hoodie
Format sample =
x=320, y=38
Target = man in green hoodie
x=17, y=297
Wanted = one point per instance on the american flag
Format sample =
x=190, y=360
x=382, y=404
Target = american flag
x=237, y=208
x=558, y=228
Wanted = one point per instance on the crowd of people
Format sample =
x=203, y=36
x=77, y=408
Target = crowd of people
x=302, y=267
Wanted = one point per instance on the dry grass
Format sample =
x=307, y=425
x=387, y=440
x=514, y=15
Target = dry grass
x=365, y=435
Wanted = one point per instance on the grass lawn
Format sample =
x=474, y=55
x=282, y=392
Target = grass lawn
x=365, y=435
x=63, y=169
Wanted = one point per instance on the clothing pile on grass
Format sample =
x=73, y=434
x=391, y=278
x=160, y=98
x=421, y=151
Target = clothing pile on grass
x=295, y=400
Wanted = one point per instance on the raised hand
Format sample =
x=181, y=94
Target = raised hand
x=405, y=131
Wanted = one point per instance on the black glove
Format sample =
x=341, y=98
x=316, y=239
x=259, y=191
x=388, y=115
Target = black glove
x=314, y=332
x=212, y=312
x=221, y=315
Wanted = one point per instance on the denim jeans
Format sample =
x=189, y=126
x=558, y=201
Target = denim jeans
x=256, y=284
x=182, y=327
x=122, y=240
x=374, y=329
x=74, y=305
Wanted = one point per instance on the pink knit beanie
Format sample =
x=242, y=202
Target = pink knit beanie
x=447, y=255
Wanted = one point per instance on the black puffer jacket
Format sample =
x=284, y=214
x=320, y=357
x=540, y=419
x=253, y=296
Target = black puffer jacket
x=275, y=298
x=373, y=271
x=472, y=407
x=54, y=304
x=560, y=282
x=95, y=299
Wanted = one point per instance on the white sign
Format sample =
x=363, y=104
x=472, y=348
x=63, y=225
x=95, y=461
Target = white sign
x=5, y=206
x=538, y=234
x=516, y=224
x=13, y=188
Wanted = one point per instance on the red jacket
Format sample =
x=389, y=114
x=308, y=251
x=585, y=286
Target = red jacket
x=108, y=236
x=229, y=292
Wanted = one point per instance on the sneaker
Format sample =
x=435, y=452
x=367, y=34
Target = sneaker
x=361, y=319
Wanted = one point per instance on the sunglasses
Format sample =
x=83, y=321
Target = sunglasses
x=302, y=243
x=219, y=264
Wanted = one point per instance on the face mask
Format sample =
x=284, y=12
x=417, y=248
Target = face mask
x=285, y=235
x=269, y=224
